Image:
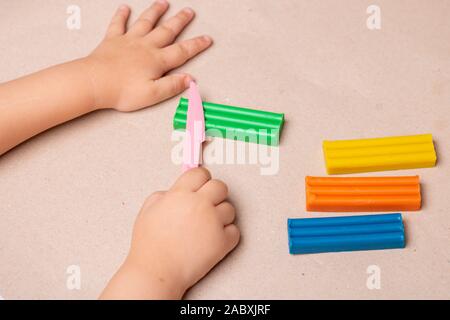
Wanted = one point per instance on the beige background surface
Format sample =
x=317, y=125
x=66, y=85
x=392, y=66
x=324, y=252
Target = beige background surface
x=70, y=195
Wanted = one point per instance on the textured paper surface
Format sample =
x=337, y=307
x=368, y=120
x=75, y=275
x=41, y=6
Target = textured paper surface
x=70, y=195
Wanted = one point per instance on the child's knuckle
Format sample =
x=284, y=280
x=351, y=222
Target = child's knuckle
x=167, y=31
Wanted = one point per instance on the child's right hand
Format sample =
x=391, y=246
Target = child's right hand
x=178, y=237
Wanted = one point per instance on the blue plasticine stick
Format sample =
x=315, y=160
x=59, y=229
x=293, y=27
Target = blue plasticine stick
x=348, y=233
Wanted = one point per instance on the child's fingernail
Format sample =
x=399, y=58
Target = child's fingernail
x=207, y=39
x=188, y=11
x=164, y=2
x=123, y=7
x=187, y=80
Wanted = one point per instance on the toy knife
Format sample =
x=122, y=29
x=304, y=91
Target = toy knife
x=195, y=129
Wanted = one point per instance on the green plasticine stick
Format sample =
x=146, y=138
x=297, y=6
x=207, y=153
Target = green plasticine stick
x=235, y=123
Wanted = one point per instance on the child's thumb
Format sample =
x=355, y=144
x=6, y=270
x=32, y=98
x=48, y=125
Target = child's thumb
x=169, y=86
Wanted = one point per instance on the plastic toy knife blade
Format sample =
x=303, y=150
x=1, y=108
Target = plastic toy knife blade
x=195, y=129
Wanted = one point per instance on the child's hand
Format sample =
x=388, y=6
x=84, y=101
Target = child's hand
x=127, y=69
x=178, y=237
x=125, y=72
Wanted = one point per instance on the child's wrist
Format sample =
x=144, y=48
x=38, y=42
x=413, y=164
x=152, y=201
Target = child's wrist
x=161, y=282
x=84, y=75
x=90, y=68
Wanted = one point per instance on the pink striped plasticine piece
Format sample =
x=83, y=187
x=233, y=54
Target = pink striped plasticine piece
x=195, y=129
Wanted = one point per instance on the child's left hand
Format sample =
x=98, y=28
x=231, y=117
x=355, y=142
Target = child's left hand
x=127, y=69
x=127, y=72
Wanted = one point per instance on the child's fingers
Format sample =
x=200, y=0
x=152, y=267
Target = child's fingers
x=148, y=19
x=167, y=87
x=232, y=236
x=215, y=190
x=118, y=23
x=226, y=212
x=192, y=179
x=178, y=53
x=166, y=33
x=155, y=196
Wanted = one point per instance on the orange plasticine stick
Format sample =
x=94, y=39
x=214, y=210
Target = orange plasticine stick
x=358, y=194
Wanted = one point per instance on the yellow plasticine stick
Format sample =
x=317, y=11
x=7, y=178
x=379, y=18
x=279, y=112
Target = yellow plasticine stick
x=378, y=154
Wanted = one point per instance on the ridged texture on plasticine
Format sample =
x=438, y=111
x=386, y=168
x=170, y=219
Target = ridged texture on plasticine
x=356, y=194
x=351, y=233
x=235, y=123
x=378, y=154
